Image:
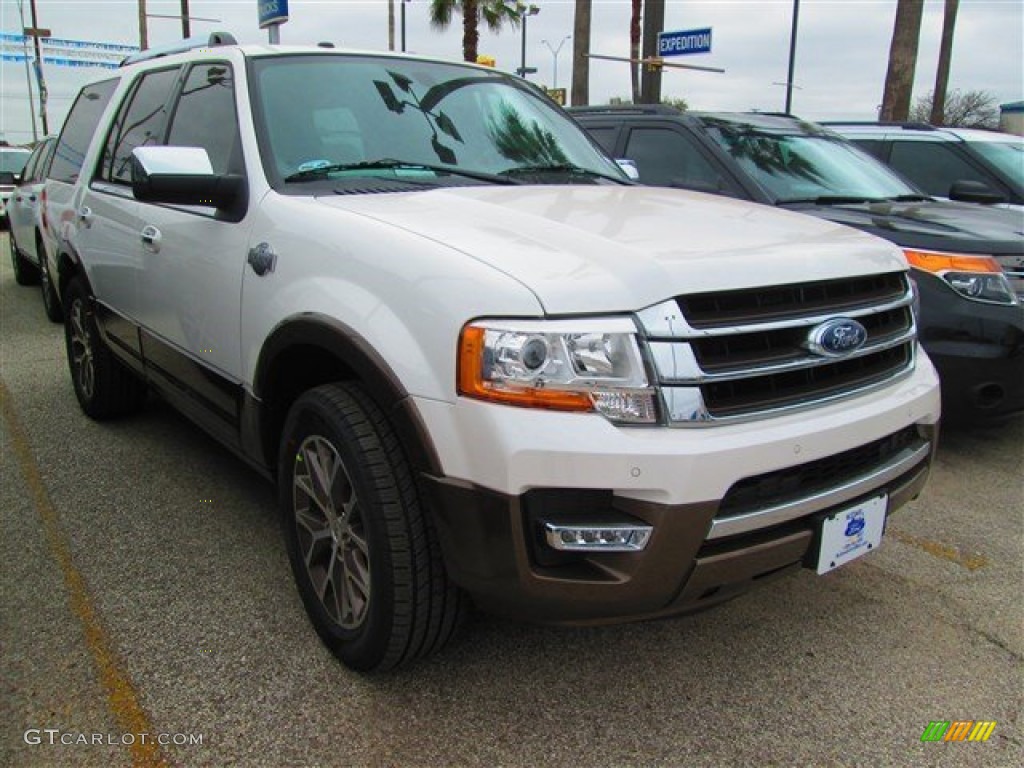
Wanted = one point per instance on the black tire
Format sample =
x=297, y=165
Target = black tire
x=51, y=302
x=104, y=387
x=25, y=272
x=380, y=544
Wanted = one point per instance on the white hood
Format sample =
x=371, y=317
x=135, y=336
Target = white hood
x=607, y=249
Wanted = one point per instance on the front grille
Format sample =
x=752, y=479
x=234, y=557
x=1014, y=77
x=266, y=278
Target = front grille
x=710, y=310
x=738, y=355
x=784, y=485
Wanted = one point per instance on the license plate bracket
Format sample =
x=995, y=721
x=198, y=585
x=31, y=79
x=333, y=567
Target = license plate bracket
x=851, y=532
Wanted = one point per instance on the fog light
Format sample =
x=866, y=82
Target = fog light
x=600, y=538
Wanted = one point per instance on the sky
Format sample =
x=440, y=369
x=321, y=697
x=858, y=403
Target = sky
x=841, y=53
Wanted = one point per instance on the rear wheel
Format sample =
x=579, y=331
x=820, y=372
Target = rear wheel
x=104, y=387
x=51, y=304
x=365, y=557
x=25, y=272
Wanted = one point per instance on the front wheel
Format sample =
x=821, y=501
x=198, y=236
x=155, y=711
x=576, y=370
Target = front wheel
x=25, y=272
x=104, y=387
x=364, y=555
x=51, y=303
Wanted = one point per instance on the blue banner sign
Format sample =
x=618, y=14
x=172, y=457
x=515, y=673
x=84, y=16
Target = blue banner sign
x=684, y=42
x=272, y=12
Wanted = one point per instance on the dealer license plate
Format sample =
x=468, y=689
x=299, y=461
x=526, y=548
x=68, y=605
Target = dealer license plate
x=851, y=532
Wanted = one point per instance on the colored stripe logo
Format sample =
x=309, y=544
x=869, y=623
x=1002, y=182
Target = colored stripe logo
x=958, y=730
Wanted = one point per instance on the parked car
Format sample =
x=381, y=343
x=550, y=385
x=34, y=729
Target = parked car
x=12, y=162
x=968, y=260
x=963, y=164
x=477, y=360
x=28, y=251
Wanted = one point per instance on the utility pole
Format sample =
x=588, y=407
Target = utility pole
x=792, y=58
x=36, y=34
x=28, y=72
x=653, y=23
x=391, y=25
x=186, y=27
x=143, y=31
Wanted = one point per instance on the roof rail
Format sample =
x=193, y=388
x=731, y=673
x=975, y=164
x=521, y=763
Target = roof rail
x=636, y=109
x=210, y=41
x=909, y=125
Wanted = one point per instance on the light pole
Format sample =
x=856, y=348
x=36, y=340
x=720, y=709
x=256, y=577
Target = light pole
x=526, y=10
x=554, y=55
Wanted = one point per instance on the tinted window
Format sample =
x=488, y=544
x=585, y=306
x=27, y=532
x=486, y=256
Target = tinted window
x=31, y=167
x=933, y=167
x=666, y=157
x=205, y=117
x=605, y=137
x=140, y=122
x=875, y=147
x=78, y=130
x=13, y=160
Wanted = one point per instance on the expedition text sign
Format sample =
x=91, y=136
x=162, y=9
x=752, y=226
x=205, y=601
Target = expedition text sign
x=684, y=42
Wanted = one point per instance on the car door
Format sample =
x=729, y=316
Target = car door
x=25, y=201
x=109, y=226
x=193, y=257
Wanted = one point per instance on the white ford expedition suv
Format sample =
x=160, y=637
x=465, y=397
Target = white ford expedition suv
x=479, y=363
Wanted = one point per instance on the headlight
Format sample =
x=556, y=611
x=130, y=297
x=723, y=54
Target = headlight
x=979, y=278
x=565, y=365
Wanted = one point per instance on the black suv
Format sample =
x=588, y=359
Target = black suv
x=968, y=260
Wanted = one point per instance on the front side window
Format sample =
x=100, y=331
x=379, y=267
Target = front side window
x=796, y=167
x=665, y=157
x=1007, y=156
x=328, y=111
x=78, y=130
x=205, y=117
x=140, y=122
x=934, y=167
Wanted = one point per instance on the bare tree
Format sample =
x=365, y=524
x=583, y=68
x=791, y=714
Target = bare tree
x=945, y=58
x=963, y=109
x=899, y=79
x=580, y=50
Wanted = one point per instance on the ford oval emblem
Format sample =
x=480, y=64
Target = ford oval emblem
x=837, y=337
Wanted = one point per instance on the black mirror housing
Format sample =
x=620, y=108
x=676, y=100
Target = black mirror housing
x=974, y=192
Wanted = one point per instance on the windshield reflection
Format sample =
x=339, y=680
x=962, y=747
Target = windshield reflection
x=332, y=112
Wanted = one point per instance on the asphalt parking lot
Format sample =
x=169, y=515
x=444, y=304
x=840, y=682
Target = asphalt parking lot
x=148, y=611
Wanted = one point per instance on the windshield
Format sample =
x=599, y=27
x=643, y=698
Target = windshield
x=797, y=168
x=1007, y=156
x=322, y=114
x=13, y=160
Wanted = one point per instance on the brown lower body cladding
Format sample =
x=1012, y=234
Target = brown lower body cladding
x=494, y=547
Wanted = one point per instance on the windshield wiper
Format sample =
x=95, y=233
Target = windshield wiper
x=564, y=168
x=908, y=199
x=833, y=200
x=387, y=163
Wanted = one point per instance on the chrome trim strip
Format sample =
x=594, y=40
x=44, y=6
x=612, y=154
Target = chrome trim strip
x=904, y=461
x=681, y=366
x=690, y=400
x=666, y=321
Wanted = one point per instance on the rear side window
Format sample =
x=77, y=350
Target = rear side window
x=206, y=117
x=78, y=130
x=140, y=122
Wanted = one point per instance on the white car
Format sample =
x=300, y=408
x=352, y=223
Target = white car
x=28, y=251
x=12, y=162
x=479, y=362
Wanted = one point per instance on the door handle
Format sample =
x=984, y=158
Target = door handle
x=85, y=216
x=151, y=237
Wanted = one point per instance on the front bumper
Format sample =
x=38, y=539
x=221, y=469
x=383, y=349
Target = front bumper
x=730, y=506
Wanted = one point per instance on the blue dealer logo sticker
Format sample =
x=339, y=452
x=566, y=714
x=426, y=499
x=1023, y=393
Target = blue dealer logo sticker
x=837, y=337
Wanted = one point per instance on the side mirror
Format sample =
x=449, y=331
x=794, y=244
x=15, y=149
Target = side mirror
x=17, y=179
x=183, y=176
x=974, y=192
x=629, y=167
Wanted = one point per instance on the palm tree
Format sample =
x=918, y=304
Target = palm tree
x=899, y=79
x=494, y=13
x=634, y=47
x=945, y=55
x=580, y=50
